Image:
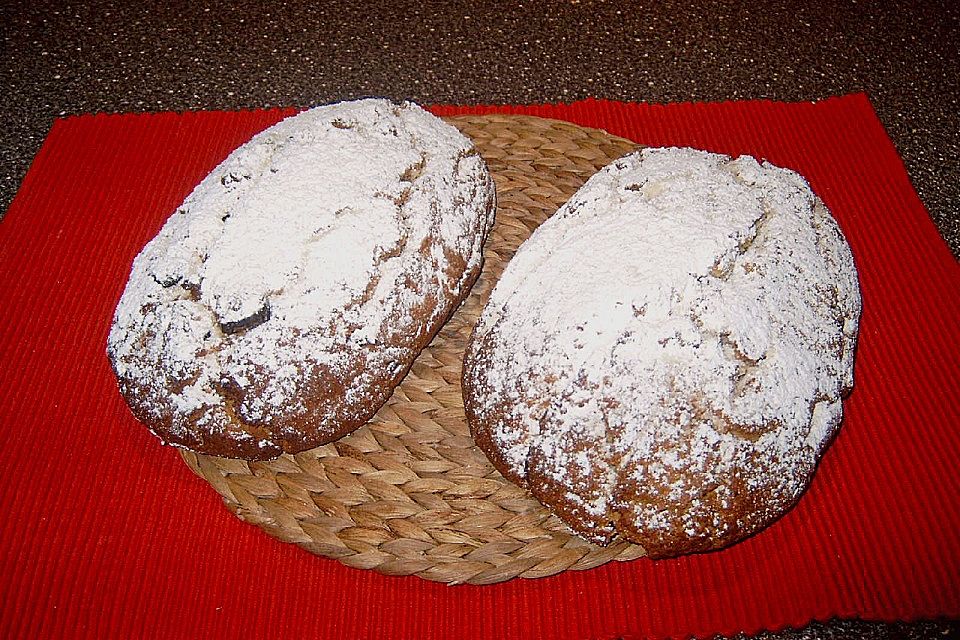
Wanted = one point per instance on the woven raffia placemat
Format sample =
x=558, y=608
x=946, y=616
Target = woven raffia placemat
x=410, y=493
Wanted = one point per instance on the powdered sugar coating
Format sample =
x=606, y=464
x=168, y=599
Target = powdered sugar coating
x=281, y=302
x=665, y=357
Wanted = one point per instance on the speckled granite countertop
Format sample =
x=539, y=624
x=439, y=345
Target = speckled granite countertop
x=102, y=55
x=61, y=58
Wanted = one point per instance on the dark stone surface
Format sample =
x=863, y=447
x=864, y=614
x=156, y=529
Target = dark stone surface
x=862, y=630
x=104, y=55
x=61, y=58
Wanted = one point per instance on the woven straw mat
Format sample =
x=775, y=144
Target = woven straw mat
x=410, y=493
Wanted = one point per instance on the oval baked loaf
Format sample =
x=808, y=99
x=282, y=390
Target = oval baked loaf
x=281, y=303
x=664, y=359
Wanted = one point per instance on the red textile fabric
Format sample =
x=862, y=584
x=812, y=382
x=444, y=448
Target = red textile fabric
x=104, y=533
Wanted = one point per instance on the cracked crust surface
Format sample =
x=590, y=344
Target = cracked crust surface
x=665, y=358
x=285, y=298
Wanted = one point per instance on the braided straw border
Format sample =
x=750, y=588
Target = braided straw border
x=410, y=493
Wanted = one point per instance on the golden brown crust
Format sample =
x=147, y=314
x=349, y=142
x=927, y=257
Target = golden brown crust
x=663, y=361
x=305, y=343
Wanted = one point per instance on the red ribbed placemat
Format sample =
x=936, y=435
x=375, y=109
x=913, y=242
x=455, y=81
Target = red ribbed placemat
x=105, y=533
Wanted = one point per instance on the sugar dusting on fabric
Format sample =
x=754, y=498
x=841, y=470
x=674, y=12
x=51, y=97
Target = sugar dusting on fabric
x=297, y=253
x=689, y=321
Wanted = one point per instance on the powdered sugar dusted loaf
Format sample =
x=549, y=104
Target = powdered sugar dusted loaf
x=665, y=357
x=281, y=303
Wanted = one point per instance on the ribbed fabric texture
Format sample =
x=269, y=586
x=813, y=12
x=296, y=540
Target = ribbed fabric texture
x=104, y=533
